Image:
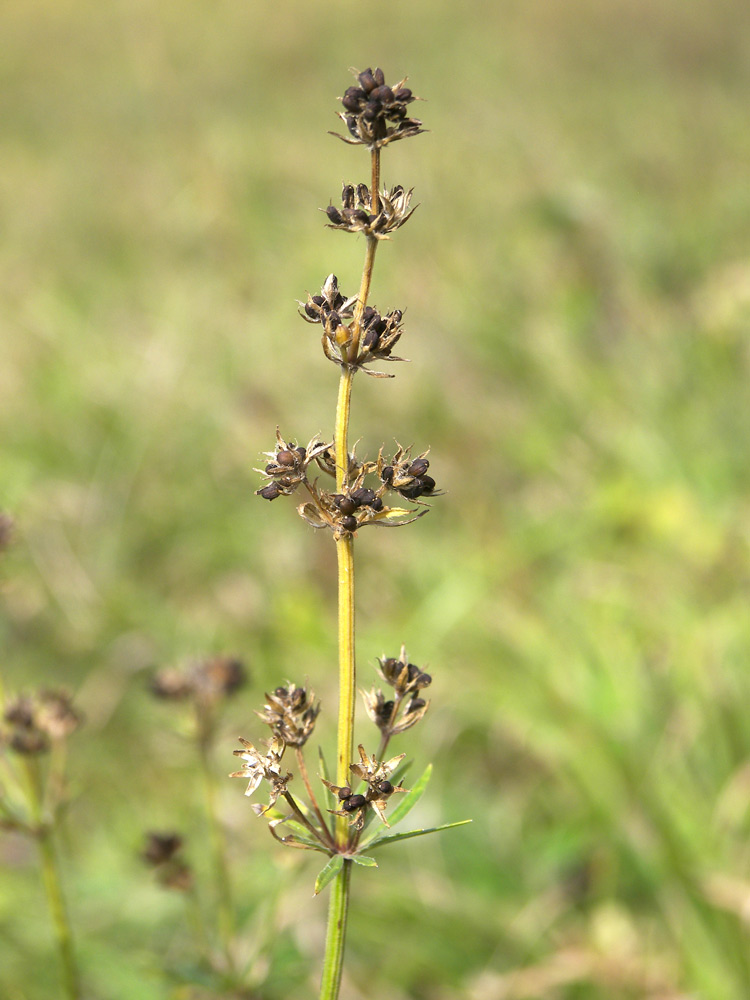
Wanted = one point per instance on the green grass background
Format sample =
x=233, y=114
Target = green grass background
x=577, y=280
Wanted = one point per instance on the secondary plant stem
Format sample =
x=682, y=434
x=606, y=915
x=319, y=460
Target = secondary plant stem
x=44, y=833
x=218, y=850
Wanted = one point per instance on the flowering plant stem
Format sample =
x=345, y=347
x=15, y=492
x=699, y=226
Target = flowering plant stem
x=44, y=833
x=339, y=904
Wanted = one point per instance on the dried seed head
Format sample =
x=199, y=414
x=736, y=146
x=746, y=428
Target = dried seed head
x=32, y=722
x=375, y=114
x=205, y=681
x=291, y=713
x=359, y=214
x=161, y=847
x=377, y=774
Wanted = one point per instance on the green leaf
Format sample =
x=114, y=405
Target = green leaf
x=329, y=872
x=324, y=773
x=391, y=838
x=406, y=804
x=362, y=859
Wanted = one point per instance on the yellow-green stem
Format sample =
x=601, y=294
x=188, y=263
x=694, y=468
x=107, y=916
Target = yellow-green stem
x=339, y=905
x=347, y=674
x=44, y=833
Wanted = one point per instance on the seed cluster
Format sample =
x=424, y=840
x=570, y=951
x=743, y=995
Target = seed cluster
x=359, y=215
x=32, y=721
x=375, y=114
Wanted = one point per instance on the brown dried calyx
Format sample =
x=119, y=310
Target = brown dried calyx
x=374, y=113
x=358, y=215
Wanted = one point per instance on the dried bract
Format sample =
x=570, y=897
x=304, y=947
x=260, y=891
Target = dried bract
x=258, y=767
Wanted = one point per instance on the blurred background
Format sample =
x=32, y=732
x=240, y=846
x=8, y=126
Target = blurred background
x=577, y=290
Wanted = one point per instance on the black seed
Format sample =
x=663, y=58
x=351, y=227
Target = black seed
x=347, y=505
x=302, y=452
x=403, y=94
x=271, y=468
x=363, y=496
x=418, y=467
x=412, y=491
x=352, y=98
x=356, y=802
x=415, y=704
x=377, y=504
x=311, y=311
x=344, y=792
x=383, y=94
x=270, y=492
x=385, y=787
x=371, y=340
x=423, y=681
x=285, y=457
x=347, y=196
x=367, y=81
x=349, y=523
x=334, y=215
x=387, y=474
x=379, y=76
x=428, y=483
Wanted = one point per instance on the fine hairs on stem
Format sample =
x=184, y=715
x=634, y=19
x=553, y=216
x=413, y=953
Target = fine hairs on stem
x=353, y=815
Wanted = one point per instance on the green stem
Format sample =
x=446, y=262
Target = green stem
x=44, y=833
x=338, y=912
x=218, y=851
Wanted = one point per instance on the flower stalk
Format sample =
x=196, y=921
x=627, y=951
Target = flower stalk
x=364, y=493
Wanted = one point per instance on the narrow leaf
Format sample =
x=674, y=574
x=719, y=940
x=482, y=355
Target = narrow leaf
x=362, y=859
x=406, y=803
x=329, y=872
x=393, y=837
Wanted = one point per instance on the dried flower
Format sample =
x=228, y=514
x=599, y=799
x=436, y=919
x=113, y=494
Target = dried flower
x=162, y=852
x=291, y=713
x=357, y=214
x=161, y=847
x=35, y=720
x=405, y=677
x=288, y=464
x=375, y=114
x=258, y=766
x=377, y=776
x=385, y=712
x=406, y=476
x=204, y=681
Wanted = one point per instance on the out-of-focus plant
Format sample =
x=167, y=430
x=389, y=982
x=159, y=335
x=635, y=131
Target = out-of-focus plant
x=33, y=797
